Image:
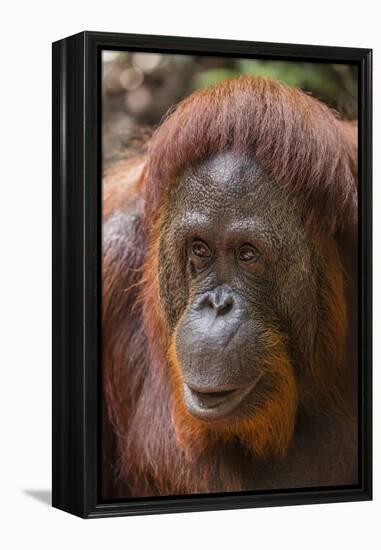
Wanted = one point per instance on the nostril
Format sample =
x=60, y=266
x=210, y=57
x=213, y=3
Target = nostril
x=207, y=302
x=225, y=307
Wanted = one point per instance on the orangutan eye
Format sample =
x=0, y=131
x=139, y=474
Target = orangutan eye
x=200, y=249
x=200, y=254
x=248, y=255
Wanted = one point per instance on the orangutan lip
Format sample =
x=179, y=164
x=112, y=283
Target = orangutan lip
x=215, y=403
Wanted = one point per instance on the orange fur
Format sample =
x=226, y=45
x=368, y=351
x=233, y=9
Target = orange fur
x=326, y=368
x=122, y=183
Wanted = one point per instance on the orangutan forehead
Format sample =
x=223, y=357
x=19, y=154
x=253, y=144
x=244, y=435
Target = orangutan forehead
x=231, y=184
x=229, y=197
x=226, y=168
x=229, y=172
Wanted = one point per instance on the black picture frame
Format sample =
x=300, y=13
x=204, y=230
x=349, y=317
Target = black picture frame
x=76, y=155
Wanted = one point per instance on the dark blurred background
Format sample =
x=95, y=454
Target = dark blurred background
x=139, y=88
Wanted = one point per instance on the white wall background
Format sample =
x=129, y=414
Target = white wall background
x=27, y=29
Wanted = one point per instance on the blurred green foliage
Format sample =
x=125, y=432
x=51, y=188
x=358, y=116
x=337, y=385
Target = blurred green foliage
x=334, y=84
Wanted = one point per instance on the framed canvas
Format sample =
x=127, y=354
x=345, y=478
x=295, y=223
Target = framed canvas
x=211, y=274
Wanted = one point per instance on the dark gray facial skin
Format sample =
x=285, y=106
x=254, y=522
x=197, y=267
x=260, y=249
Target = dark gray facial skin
x=235, y=264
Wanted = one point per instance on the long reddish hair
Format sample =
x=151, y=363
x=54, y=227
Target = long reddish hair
x=297, y=140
